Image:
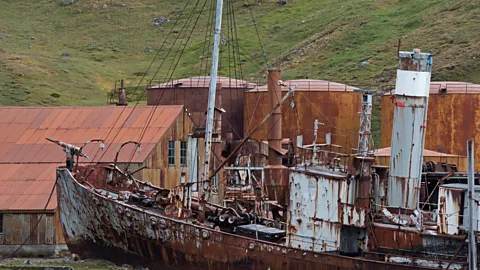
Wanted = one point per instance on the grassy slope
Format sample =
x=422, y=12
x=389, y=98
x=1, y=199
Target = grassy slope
x=324, y=39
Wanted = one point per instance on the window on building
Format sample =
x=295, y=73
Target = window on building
x=183, y=153
x=171, y=153
x=1, y=223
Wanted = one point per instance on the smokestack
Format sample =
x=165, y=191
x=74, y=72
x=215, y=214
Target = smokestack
x=409, y=126
x=122, y=95
x=274, y=124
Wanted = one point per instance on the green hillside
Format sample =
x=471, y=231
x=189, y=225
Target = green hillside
x=348, y=41
x=107, y=41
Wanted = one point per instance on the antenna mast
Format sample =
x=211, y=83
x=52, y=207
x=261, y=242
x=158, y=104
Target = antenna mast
x=364, y=134
x=211, y=101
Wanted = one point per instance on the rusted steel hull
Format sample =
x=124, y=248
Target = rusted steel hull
x=96, y=226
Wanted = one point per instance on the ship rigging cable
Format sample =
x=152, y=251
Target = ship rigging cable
x=139, y=83
x=179, y=52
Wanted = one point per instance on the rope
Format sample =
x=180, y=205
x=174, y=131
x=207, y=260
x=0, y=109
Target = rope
x=181, y=51
x=138, y=101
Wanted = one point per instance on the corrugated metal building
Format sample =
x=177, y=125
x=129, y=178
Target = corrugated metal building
x=28, y=161
x=334, y=104
x=453, y=118
x=193, y=94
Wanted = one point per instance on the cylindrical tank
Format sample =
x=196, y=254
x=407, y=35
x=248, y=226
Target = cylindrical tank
x=453, y=118
x=193, y=94
x=333, y=104
x=408, y=132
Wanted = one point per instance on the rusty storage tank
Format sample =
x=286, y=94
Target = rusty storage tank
x=333, y=104
x=453, y=118
x=193, y=94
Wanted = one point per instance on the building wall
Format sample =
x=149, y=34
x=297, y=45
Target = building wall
x=18, y=226
x=195, y=101
x=452, y=120
x=337, y=110
x=158, y=171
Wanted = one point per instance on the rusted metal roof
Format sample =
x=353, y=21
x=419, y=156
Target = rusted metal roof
x=451, y=88
x=312, y=85
x=204, y=81
x=23, y=131
x=385, y=152
x=27, y=187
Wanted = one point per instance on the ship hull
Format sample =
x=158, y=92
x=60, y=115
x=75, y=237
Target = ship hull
x=95, y=226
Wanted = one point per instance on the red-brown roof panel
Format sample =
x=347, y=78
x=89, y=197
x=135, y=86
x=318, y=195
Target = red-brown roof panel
x=82, y=115
x=23, y=140
x=8, y=156
x=26, y=136
x=112, y=117
x=134, y=116
x=9, y=114
x=123, y=116
x=94, y=114
x=27, y=116
x=47, y=123
x=142, y=119
x=22, y=153
x=15, y=132
x=42, y=115
x=22, y=189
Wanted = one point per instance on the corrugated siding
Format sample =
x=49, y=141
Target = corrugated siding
x=452, y=120
x=337, y=110
x=158, y=172
x=17, y=228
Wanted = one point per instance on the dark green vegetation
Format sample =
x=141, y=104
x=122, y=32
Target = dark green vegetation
x=107, y=40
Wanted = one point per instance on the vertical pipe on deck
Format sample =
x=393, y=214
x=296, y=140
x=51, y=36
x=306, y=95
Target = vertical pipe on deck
x=274, y=124
x=472, y=249
x=409, y=125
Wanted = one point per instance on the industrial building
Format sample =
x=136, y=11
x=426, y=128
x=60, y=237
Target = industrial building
x=28, y=161
x=334, y=105
x=193, y=94
x=453, y=111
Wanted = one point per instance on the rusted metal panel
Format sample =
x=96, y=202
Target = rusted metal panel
x=193, y=93
x=18, y=227
x=408, y=132
x=338, y=110
x=26, y=186
x=450, y=209
x=318, y=209
x=23, y=139
x=352, y=215
x=454, y=111
x=391, y=236
x=100, y=227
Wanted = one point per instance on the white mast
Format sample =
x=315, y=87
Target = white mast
x=472, y=250
x=211, y=100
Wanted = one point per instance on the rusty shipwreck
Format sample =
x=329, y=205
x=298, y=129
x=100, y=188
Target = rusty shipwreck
x=309, y=206
x=320, y=209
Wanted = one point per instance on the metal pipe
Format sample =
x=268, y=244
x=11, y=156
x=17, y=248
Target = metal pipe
x=472, y=251
x=211, y=100
x=120, y=148
x=274, y=124
x=225, y=161
x=102, y=146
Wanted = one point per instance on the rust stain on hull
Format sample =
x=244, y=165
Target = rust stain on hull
x=96, y=226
